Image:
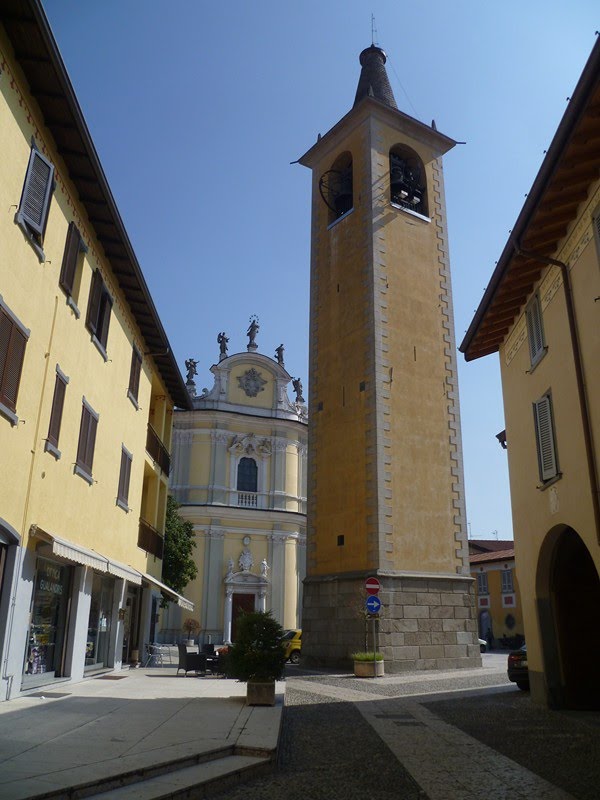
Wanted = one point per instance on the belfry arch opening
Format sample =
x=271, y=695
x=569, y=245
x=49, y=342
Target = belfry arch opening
x=408, y=186
x=337, y=187
x=568, y=590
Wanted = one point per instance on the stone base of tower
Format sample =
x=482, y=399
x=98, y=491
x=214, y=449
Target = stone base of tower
x=426, y=622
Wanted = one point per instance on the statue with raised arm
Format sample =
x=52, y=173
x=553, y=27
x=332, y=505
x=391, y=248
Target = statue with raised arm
x=222, y=340
x=190, y=366
x=251, y=333
x=279, y=355
x=297, y=384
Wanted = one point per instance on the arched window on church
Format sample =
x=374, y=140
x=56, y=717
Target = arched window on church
x=336, y=187
x=247, y=482
x=408, y=186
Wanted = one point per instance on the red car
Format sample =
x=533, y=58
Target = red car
x=518, y=671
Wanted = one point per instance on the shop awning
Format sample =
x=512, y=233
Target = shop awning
x=181, y=601
x=89, y=558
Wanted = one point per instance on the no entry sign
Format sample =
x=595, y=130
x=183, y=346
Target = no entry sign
x=372, y=586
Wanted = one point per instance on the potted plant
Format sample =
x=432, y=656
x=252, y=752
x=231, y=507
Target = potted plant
x=191, y=627
x=257, y=656
x=368, y=665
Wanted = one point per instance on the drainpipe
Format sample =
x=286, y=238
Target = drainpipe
x=581, y=387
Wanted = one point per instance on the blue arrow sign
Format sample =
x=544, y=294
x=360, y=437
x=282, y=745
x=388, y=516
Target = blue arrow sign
x=373, y=604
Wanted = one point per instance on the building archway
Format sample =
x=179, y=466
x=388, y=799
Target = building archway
x=568, y=592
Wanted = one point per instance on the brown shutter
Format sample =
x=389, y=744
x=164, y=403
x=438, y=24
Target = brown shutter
x=94, y=303
x=134, y=373
x=91, y=443
x=12, y=353
x=124, y=476
x=70, y=256
x=87, y=440
x=37, y=191
x=104, y=317
x=57, y=409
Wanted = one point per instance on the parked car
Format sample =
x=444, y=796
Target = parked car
x=482, y=645
x=518, y=671
x=291, y=642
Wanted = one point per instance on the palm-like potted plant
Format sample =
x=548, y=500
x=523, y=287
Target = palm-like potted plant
x=191, y=626
x=257, y=656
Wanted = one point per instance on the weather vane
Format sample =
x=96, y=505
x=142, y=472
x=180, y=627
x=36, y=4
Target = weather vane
x=373, y=30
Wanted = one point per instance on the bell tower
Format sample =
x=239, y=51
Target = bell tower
x=385, y=462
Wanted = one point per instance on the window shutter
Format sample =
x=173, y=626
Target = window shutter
x=87, y=440
x=124, y=476
x=534, y=329
x=58, y=401
x=12, y=353
x=91, y=442
x=545, y=438
x=94, y=303
x=37, y=190
x=134, y=373
x=70, y=256
x=104, y=320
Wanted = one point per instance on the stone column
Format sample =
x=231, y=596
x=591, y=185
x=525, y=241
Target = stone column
x=262, y=599
x=227, y=615
x=213, y=581
x=218, y=471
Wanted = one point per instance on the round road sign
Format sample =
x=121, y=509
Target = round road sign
x=372, y=585
x=373, y=604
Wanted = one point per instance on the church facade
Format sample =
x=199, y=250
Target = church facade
x=385, y=481
x=239, y=475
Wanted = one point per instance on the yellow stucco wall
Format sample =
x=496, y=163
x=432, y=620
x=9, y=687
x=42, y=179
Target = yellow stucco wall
x=39, y=489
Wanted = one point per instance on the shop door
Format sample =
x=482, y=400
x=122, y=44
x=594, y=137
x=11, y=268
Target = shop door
x=100, y=622
x=130, y=625
x=242, y=603
x=46, y=640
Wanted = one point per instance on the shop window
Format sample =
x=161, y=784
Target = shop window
x=98, y=314
x=535, y=330
x=336, y=187
x=482, y=583
x=544, y=433
x=58, y=400
x=507, y=581
x=134, y=376
x=32, y=214
x=124, y=478
x=72, y=266
x=408, y=187
x=13, y=339
x=87, y=442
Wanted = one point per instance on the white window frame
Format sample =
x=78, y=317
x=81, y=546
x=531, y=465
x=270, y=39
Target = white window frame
x=482, y=583
x=507, y=581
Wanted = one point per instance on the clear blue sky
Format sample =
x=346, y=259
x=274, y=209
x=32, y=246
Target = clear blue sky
x=197, y=109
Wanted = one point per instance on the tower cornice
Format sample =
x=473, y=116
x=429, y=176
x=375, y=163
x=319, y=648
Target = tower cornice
x=370, y=106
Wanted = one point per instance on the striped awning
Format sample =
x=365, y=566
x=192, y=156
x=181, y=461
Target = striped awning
x=125, y=572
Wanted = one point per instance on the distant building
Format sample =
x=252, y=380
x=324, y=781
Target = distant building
x=87, y=389
x=497, y=597
x=240, y=477
x=385, y=484
x=541, y=313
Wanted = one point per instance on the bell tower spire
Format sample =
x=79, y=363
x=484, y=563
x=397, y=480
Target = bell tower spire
x=385, y=476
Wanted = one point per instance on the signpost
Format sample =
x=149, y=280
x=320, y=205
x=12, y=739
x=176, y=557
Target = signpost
x=373, y=605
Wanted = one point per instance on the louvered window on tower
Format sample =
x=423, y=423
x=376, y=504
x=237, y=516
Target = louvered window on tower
x=58, y=401
x=87, y=442
x=546, y=444
x=13, y=339
x=32, y=214
x=98, y=314
x=535, y=330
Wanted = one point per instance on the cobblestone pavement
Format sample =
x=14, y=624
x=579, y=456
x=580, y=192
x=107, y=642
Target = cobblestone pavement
x=466, y=735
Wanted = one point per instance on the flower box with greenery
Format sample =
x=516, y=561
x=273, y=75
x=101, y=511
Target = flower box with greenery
x=257, y=657
x=191, y=627
x=368, y=665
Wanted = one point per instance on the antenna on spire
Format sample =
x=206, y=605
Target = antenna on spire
x=373, y=30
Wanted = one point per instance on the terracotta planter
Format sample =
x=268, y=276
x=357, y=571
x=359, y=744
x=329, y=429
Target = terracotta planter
x=260, y=693
x=368, y=669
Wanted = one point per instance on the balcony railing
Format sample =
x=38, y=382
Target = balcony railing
x=248, y=499
x=149, y=539
x=157, y=451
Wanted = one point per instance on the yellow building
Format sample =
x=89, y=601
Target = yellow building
x=385, y=459
x=541, y=313
x=239, y=473
x=497, y=595
x=87, y=388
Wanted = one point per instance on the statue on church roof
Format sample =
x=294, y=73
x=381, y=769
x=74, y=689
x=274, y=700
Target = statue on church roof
x=251, y=333
x=279, y=355
x=222, y=340
x=190, y=366
x=297, y=384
